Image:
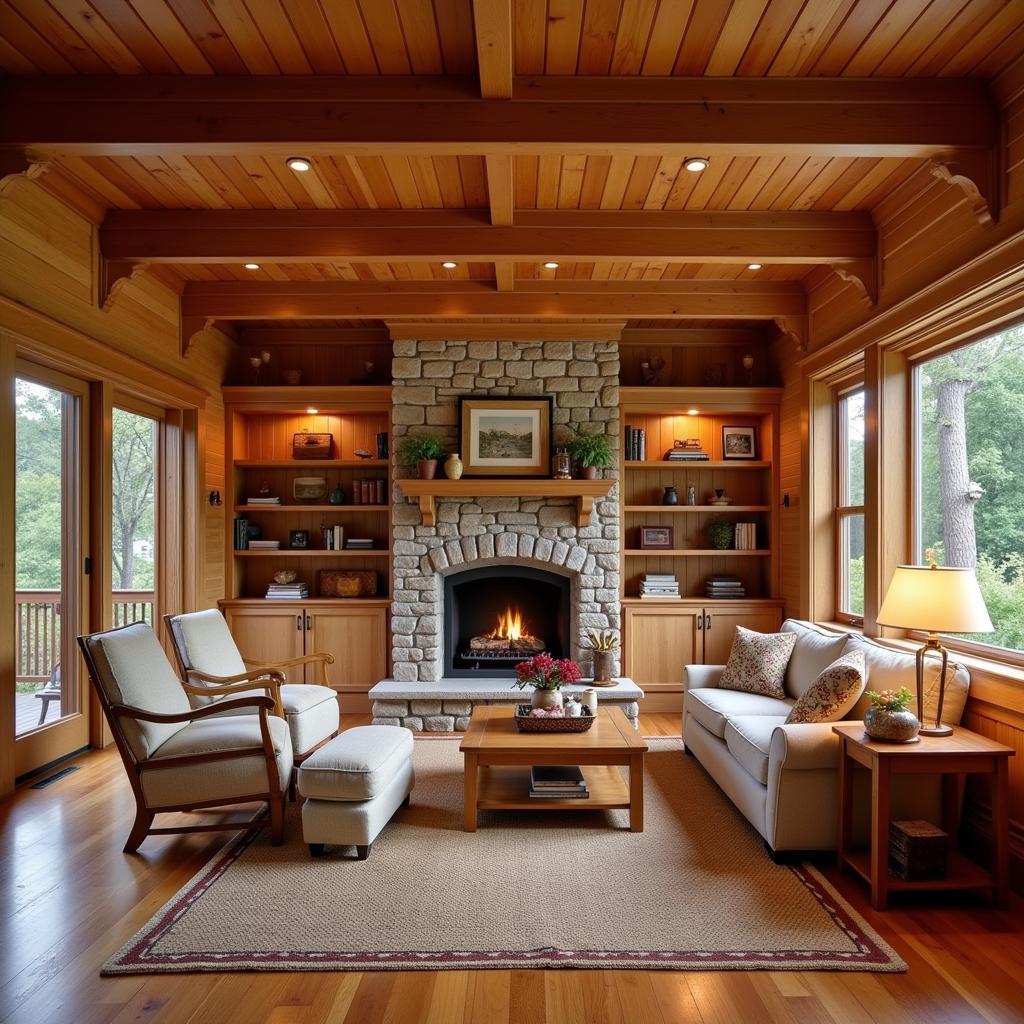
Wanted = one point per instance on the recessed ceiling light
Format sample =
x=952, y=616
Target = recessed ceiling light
x=696, y=164
x=753, y=266
x=299, y=163
x=551, y=265
x=312, y=411
x=252, y=266
x=449, y=265
x=691, y=412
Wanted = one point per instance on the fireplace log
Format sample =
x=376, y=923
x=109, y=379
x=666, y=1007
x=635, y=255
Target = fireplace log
x=526, y=645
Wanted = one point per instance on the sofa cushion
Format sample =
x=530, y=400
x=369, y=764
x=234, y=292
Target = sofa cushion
x=749, y=739
x=832, y=695
x=205, y=644
x=889, y=669
x=357, y=765
x=757, y=662
x=713, y=707
x=815, y=650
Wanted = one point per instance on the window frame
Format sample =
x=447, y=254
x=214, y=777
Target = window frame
x=841, y=511
x=915, y=360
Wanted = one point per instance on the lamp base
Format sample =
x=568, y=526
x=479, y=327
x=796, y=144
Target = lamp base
x=935, y=730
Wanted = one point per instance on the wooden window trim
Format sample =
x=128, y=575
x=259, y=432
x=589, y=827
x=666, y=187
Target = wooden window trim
x=842, y=511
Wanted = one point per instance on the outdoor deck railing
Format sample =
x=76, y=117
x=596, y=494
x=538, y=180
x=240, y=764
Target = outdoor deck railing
x=38, y=627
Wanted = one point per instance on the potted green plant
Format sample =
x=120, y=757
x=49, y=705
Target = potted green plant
x=890, y=718
x=422, y=451
x=590, y=452
x=720, y=532
x=604, y=643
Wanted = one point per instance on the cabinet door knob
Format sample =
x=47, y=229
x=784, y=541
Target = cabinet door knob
x=298, y=623
x=707, y=621
x=309, y=622
x=700, y=621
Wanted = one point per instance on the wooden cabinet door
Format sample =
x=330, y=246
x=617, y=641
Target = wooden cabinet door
x=357, y=637
x=269, y=634
x=720, y=627
x=659, y=641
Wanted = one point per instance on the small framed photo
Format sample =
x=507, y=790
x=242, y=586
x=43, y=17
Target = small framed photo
x=739, y=442
x=298, y=540
x=656, y=537
x=505, y=436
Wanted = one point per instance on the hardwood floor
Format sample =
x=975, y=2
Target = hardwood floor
x=69, y=897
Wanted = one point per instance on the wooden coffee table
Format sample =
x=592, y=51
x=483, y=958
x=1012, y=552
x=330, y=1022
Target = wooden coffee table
x=498, y=759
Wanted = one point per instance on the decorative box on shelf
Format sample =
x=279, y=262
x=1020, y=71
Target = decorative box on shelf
x=918, y=851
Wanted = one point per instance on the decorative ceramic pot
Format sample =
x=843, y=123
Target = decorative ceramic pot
x=337, y=496
x=426, y=469
x=671, y=496
x=453, y=467
x=893, y=726
x=604, y=663
x=588, y=472
x=546, y=698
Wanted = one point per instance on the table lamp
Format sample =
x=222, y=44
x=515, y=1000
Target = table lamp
x=935, y=600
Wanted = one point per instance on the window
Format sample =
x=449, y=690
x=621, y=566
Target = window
x=970, y=473
x=850, y=508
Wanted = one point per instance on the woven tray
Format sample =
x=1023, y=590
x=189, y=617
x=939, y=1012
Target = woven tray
x=524, y=723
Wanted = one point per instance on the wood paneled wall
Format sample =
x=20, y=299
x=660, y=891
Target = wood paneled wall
x=791, y=439
x=48, y=264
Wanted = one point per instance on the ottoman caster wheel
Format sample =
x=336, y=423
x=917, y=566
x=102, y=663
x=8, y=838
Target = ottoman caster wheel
x=362, y=852
x=316, y=849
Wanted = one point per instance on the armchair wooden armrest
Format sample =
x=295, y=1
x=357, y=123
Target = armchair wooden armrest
x=261, y=704
x=322, y=659
x=265, y=679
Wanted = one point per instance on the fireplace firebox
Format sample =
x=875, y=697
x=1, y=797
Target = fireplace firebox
x=498, y=615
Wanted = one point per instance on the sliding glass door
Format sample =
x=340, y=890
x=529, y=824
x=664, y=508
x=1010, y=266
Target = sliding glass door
x=51, y=709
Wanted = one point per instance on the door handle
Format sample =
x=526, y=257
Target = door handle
x=309, y=623
x=707, y=621
x=700, y=621
x=298, y=623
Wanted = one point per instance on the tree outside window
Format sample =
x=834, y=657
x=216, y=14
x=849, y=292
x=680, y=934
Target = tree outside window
x=850, y=507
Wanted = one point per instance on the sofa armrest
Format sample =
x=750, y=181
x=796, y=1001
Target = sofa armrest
x=804, y=747
x=698, y=677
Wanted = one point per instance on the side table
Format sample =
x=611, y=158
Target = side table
x=962, y=753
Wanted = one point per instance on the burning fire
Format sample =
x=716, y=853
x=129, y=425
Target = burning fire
x=510, y=627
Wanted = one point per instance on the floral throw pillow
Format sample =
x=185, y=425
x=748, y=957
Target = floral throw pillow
x=757, y=662
x=834, y=693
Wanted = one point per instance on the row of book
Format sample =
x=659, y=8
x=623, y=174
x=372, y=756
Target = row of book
x=333, y=537
x=636, y=444
x=723, y=587
x=558, y=782
x=746, y=537
x=369, y=492
x=658, y=586
x=296, y=591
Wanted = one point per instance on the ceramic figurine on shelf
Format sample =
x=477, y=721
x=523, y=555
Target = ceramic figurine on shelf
x=691, y=494
x=650, y=371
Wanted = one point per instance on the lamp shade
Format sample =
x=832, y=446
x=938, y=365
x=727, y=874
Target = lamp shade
x=935, y=599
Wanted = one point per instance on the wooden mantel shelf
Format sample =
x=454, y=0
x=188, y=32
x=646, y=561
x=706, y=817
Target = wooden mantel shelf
x=584, y=491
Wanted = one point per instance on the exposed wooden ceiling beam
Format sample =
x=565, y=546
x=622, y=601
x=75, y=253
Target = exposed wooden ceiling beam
x=257, y=336
x=203, y=303
x=579, y=330
x=281, y=115
x=492, y=24
x=318, y=236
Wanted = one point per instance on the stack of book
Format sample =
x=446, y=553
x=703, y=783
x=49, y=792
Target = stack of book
x=659, y=586
x=263, y=501
x=686, y=454
x=359, y=544
x=287, y=591
x=746, y=536
x=264, y=545
x=369, y=492
x=636, y=444
x=722, y=586
x=558, y=782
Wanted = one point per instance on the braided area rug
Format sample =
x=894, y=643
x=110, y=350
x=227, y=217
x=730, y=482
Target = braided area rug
x=694, y=891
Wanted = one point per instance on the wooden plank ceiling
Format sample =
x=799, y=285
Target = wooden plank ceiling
x=492, y=41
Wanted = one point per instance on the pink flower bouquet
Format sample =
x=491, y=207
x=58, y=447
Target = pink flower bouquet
x=543, y=672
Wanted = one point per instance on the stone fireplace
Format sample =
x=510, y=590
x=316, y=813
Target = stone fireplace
x=517, y=543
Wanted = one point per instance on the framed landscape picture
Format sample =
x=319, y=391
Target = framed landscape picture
x=739, y=442
x=505, y=436
x=655, y=537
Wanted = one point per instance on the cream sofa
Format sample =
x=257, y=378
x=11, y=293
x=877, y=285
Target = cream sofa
x=784, y=778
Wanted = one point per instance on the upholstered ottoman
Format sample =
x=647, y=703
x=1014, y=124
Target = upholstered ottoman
x=353, y=784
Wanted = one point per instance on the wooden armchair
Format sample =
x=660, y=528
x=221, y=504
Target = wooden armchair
x=180, y=758
x=214, y=669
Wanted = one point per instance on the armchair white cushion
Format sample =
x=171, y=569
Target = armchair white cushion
x=206, y=648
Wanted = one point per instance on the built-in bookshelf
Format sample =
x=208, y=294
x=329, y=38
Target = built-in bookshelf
x=667, y=415
x=261, y=424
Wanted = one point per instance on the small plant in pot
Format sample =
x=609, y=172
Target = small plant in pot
x=422, y=451
x=720, y=533
x=547, y=676
x=890, y=718
x=604, y=643
x=590, y=452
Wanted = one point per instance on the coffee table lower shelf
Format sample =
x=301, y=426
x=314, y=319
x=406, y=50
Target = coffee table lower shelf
x=507, y=788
